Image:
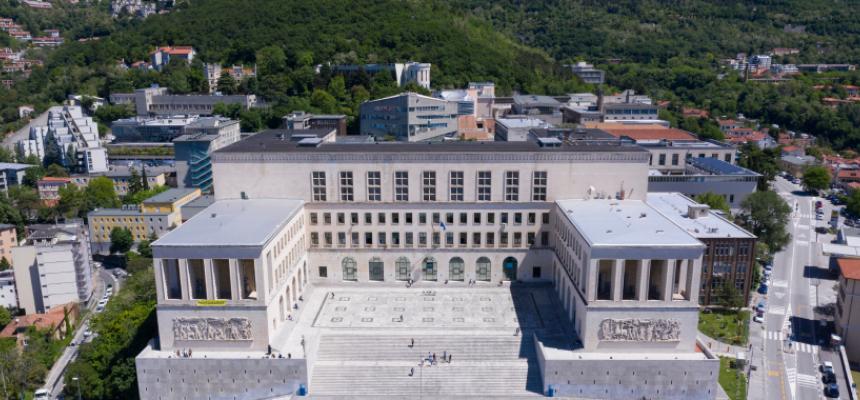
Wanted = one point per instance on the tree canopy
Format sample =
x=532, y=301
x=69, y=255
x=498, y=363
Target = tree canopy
x=715, y=201
x=816, y=178
x=766, y=215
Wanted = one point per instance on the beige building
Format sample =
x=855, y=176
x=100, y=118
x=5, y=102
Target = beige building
x=8, y=240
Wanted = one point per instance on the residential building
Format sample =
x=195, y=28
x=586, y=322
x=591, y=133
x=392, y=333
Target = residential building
x=76, y=136
x=12, y=174
x=300, y=120
x=537, y=106
x=135, y=8
x=53, y=267
x=163, y=55
x=409, y=117
x=629, y=112
x=847, y=317
x=404, y=73
x=56, y=321
x=156, y=100
x=192, y=150
x=730, y=250
x=214, y=72
x=121, y=177
x=792, y=150
x=727, y=125
x=154, y=217
x=820, y=68
x=8, y=295
x=707, y=175
x=363, y=219
x=150, y=129
x=8, y=240
x=49, y=189
x=485, y=94
x=795, y=165
x=52, y=38
x=588, y=73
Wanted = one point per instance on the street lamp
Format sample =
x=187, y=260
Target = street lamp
x=78, y=382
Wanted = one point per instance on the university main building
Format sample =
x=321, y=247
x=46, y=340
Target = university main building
x=524, y=269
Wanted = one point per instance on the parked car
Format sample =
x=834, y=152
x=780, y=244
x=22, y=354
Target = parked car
x=831, y=390
x=762, y=289
x=758, y=319
x=768, y=267
x=87, y=333
x=828, y=377
x=826, y=367
x=42, y=394
x=821, y=229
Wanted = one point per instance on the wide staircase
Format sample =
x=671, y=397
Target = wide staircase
x=377, y=365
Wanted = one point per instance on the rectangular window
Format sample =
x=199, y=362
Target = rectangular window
x=395, y=218
x=380, y=218
x=464, y=218
x=503, y=239
x=464, y=239
x=346, y=186
x=327, y=218
x=314, y=219
x=368, y=218
x=476, y=218
x=341, y=218
x=661, y=159
x=518, y=239
x=401, y=186
x=318, y=185
x=485, y=179
x=491, y=218
x=428, y=182
x=221, y=279
x=247, y=279
x=408, y=218
x=675, y=159
x=341, y=239
x=436, y=239
x=512, y=186
x=172, y=283
x=456, y=186
x=545, y=218
x=323, y=272
x=422, y=218
x=449, y=239
x=518, y=218
x=380, y=239
x=532, y=218
x=315, y=239
x=354, y=239
x=544, y=239
x=422, y=239
x=539, y=183
x=436, y=219
x=449, y=218
x=395, y=239
x=368, y=239
x=327, y=238
x=530, y=238
x=408, y=241
x=476, y=239
x=491, y=239
x=374, y=186
x=353, y=218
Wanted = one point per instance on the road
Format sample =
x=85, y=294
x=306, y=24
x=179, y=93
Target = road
x=24, y=133
x=794, y=338
x=55, y=379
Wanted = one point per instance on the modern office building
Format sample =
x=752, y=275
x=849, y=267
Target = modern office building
x=74, y=137
x=53, y=267
x=191, y=150
x=12, y=174
x=8, y=295
x=146, y=129
x=707, y=175
x=409, y=117
x=538, y=264
x=156, y=101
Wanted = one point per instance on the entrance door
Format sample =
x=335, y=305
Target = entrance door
x=509, y=267
x=377, y=270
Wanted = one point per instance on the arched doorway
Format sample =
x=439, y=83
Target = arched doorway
x=509, y=267
x=377, y=269
x=429, y=269
x=482, y=269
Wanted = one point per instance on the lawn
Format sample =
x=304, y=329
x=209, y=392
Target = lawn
x=856, y=376
x=726, y=326
x=732, y=380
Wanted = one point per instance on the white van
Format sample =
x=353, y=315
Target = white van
x=42, y=394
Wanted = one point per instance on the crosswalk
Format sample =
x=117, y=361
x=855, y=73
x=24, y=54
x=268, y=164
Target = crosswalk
x=798, y=346
x=805, y=347
x=810, y=381
x=813, y=295
x=781, y=283
x=777, y=310
x=775, y=335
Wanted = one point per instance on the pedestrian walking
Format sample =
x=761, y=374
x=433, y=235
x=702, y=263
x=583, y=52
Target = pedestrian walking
x=444, y=355
x=449, y=358
x=411, y=342
x=434, y=357
x=411, y=371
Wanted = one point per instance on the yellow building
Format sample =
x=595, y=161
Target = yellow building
x=156, y=216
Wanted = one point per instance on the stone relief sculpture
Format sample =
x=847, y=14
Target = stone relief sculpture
x=640, y=330
x=212, y=329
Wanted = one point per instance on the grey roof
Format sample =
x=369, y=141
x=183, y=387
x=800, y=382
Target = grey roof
x=122, y=212
x=4, y=166
x=198, y=99
x=197, y=205
x=675, y=206
x=210, y=122
x=271, y=142
x=719, y=167
x=170, y=195
x=233, y=223
x=536, y=100
x=614, y=223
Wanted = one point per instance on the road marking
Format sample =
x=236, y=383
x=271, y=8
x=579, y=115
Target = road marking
x=806, y=347
x=801, y=243
x=807, y=380
x=775, y=335
x=812, y=295
x=773, y=373
x=791, y=377
x=779, y=283
x=778, y=310
x=803, y=226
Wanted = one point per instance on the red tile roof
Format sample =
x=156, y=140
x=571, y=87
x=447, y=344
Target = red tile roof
x=650, y=133
x=850, y=268
x=848, y=173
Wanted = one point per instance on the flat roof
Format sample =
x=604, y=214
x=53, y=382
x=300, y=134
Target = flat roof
x=719, y=167
x=170, y=195
x=610, y=222
x=122, y=212
x=233, y=223
x=271, y=142
x=15, y=166
x=675, y=206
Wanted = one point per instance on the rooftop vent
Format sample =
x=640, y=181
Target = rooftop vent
x=697, y=211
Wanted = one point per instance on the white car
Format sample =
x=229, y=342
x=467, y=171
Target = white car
x=87, y=333
x=42, y=394
x=758, y=319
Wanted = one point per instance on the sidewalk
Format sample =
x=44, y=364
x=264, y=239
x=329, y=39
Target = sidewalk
x=721, y=349
x=756, y=379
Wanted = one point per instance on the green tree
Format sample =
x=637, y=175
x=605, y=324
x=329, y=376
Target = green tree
x=852, y=203
x=56, y=171
x=766, y=214
x=227, y=85
x=715, y=201
x=324, y=102
x=73, y=201
x=135, y=183
x=5, y=315
x=33, y=174
x=729, y=297
x=121, y=240
x=100, y=193
x=25, y=199
x=53, y=154
x=762, y=161
x=816, y=178
x=6, y=155
x=4, y=264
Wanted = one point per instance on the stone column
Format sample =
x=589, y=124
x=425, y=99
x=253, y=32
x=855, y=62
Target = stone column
x=591, y=284
x=234, y=279
x=644, y=272
x=668, y=280
x=158, y=271
x=210, y=277
x=695, y=278
x=183, y=278
x=617, y=279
